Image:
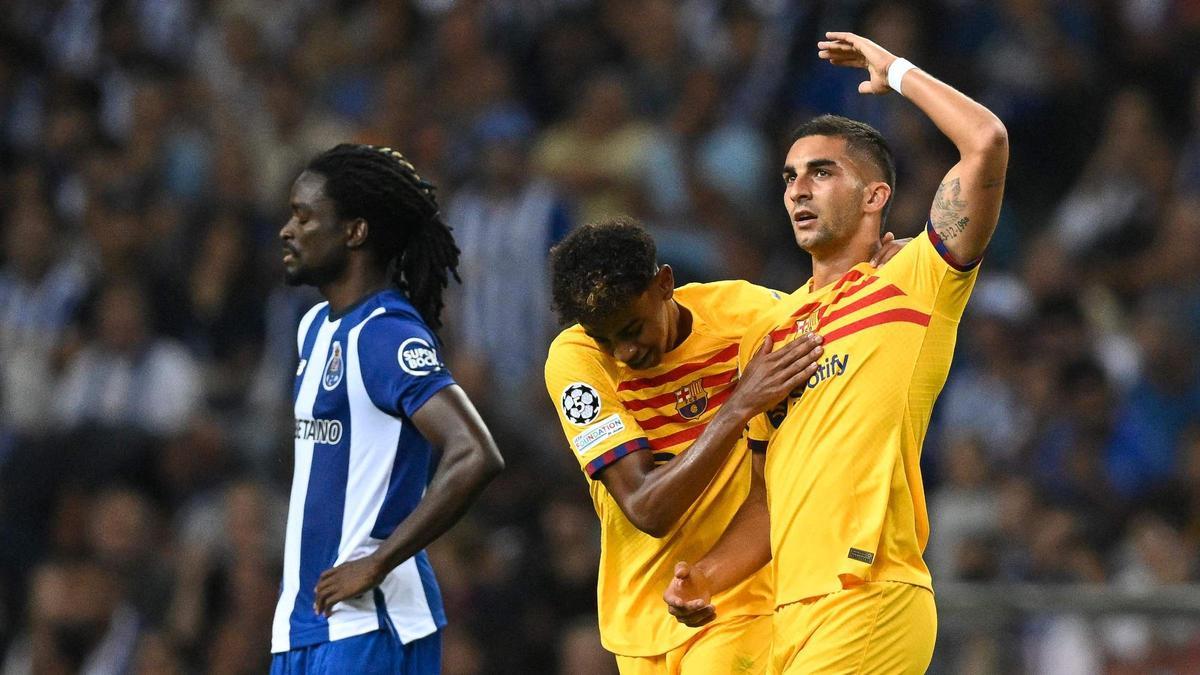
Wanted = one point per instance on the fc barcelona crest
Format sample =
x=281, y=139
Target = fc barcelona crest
x=691, y=401
x=808, y=324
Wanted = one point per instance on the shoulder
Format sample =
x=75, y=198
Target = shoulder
x=575, y=360
x=926, y=251
x=728, y=305
x=309, y=317
x=573, y=346
x=401, y=335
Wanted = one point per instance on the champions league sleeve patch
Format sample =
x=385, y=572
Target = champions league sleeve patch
x=417, y=357
x=580, y=403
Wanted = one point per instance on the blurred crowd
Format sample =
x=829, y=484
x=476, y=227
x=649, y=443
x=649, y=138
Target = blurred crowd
x=147, y=342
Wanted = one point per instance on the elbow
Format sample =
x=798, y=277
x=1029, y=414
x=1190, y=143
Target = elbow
x=650, y=522
x=654, y=529
x=479, y=463
x=494, y=465
x=991, y=138
x=489, y=462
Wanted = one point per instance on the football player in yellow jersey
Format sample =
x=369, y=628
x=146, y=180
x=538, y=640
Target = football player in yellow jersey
x=847, y=521
x=644, y=383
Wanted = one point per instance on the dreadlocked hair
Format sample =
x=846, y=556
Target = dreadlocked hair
x=599, y=268
x=381, y=186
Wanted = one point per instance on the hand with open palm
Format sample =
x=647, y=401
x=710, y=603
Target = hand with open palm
x=854, y=51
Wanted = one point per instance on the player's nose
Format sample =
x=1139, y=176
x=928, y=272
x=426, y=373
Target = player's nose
x=285, y=232
x=797, y=190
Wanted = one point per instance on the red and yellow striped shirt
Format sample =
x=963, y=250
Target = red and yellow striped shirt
x=608, y=411
x=843, y=459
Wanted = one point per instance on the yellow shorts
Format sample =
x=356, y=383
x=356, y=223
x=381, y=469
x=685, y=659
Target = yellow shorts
x=739, y=646
x=878, y=627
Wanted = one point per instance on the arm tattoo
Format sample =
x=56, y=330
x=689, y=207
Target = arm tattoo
x=946, y=214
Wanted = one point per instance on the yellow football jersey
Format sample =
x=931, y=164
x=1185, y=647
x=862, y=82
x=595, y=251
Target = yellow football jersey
x=842, y=469
x=608, y=410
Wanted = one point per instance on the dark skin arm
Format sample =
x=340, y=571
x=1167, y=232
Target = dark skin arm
x=469, y=461
x=655, y=497
x=742, y=550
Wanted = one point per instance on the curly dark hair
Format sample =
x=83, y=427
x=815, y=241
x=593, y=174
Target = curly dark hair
x=383, y=188
x=599, y=268
x=861, y=139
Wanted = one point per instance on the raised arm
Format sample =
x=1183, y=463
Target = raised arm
x=469, y=461
x=967, y=204
x=654, y=498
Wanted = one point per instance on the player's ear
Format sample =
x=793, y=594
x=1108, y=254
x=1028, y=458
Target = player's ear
x=664, y=281
x=356, y=232
x=876, y=196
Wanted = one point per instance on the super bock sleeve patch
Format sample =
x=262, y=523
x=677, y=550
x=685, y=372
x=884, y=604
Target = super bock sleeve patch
x=417, y=357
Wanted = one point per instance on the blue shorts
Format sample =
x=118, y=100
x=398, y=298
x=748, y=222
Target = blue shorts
x=376, y=652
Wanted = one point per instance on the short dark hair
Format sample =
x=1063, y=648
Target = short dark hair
x=861, y=139
x=406, y=228
x=599, y=268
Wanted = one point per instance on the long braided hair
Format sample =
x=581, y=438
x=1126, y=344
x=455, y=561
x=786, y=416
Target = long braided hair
x=380, y=186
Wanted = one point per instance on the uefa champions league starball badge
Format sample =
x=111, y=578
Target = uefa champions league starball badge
x=580, y=403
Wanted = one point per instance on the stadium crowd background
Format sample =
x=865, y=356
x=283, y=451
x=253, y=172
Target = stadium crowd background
x=147, y=342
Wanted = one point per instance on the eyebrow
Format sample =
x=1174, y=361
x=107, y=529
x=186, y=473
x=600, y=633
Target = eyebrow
x=810, y=165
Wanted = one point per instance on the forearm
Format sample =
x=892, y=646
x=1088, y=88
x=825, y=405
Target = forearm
x=973, y=129
x=461, y=476
x=744, y=547
x=966, y=208
x=667, y=491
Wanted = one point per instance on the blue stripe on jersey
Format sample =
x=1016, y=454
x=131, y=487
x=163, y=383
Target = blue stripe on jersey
x=410, y=470
x=433, y=593
x=327, y=481
x=395, y=370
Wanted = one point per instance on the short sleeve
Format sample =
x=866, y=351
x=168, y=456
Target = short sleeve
x=401, y=364
x=597, y=426
x=758, y=432
x=925, y=270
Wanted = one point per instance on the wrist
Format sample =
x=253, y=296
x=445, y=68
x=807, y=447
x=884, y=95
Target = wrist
x=896, y=71
x=737, y=411
x=379, y=567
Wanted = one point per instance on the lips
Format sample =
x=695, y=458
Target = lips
x=803, y=216
x=639, y=362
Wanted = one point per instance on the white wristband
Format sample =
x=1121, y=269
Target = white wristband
x=895, y=73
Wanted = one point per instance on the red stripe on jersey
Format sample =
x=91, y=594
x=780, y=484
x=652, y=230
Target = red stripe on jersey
x=888, y=316
x=780, y=334
x=889, y=291
x=805, y=309
x=680, y=372
x=715, y=380
x=852, y=275
x=689, y=434
x=849, y=292
x=714, y=402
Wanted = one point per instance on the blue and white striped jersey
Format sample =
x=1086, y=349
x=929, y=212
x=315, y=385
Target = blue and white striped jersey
x=361, y=468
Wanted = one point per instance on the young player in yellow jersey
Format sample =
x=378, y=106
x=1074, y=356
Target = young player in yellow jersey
x=847, y=518
x=644, y=384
